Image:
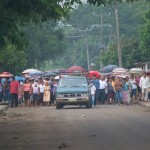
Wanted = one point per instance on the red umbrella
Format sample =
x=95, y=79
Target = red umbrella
x=5, y=75
x=93, y=73
x=74, y=69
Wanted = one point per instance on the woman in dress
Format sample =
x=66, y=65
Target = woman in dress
x=126, y=91
x=46, y=97
x=27, y=91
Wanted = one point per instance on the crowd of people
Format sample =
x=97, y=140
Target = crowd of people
x=120, y=90
x=34, y=92
x=110, y=90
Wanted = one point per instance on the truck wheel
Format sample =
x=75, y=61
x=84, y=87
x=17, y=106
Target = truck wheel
x=89, y=104
x=58, y=106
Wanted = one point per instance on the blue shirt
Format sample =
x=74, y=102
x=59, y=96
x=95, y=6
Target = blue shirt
x=96, y=83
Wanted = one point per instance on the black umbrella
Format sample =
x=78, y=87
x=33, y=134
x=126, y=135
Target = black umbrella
x=48, y=74
x=108, y=69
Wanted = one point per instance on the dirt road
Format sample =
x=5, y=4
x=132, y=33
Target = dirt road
x=100, y=128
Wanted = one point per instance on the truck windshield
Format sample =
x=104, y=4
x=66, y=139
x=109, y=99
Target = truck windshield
x=72, y=82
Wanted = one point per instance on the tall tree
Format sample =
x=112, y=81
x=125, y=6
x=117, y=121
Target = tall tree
x=16, y=13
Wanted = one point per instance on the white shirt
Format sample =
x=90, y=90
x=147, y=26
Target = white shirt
x=144, y=82
x=133, y=84
x=93, y=89
x=35, y=88
x=41, y=87
x=103, y=84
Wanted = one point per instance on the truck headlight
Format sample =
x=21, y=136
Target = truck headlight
x=60, y=96
x=85, y=95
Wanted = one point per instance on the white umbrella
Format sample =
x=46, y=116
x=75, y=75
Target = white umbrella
x=120, y=70
x=27, y=71
x=136, y=71
x=56, y=78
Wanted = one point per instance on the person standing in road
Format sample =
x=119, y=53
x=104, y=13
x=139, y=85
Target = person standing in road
x=125, y=91
x=137, y=79
x=27, y=91
x=92, y=92
x=35, y=92
x=41, y=91
x=96, y=84
x=52, y=96
x=144, y=84
x=110, y=91
x=20, y=93
x=6, y=91
x=1, y=91
x=133, y=89
x=102, y=88
x=118, y=91
x=46, y=97
x=14, y=86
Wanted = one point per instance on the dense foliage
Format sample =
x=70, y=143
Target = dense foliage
x=35, y=34
x=133, y=32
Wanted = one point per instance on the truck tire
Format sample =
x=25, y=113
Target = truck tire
x=58, y=106
x=89, y=104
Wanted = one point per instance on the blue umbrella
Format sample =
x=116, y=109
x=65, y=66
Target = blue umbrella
x=19, y=78
x=108, y=69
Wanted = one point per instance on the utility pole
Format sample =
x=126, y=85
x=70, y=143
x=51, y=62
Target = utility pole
x=101, y=34
x=118, y=34
x=87, y=47
x=87, y=51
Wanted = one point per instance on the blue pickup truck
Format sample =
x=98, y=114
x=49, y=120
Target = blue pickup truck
x=73, y=90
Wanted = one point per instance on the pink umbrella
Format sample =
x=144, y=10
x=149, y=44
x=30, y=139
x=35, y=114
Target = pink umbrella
x=5, y=75
x=74, y=69
x=93, y=73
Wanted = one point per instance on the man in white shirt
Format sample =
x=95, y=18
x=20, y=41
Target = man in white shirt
x=35, y=90
x=41, y=92
x=144, y=84
x=102, y=87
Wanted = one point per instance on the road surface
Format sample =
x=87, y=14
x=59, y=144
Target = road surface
x=101, y=128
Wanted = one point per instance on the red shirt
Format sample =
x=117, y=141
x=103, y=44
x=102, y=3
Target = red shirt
x=14, y=85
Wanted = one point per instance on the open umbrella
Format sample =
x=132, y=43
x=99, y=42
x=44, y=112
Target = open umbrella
x=75, y=69
x=31, y=71
x=18, y=78
x=108, y=68
x=50, y=73
x=93, y=73
x=148, y=72
x=136, y=71
x=5, y=75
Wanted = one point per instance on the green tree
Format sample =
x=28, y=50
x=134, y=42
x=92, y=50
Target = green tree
x=145, y=38
x=12, y=60
x=17, y=13
x=45, y=43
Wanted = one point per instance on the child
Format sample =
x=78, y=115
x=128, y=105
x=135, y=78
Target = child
x=20, y=93
x=92, y=92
